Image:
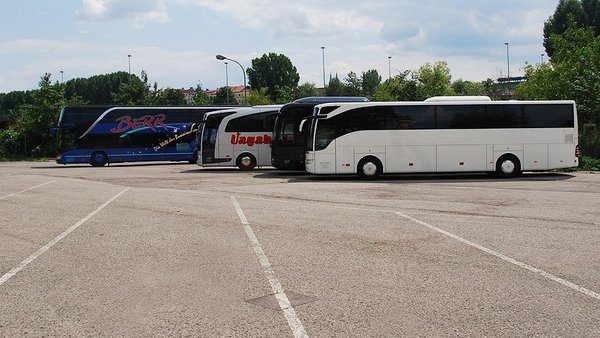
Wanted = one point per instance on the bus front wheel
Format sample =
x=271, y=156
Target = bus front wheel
x=508, y=166
x=98, y=159
x=246, y=162
x=369, y=168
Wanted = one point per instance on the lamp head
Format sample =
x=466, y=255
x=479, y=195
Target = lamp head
x=221, y=57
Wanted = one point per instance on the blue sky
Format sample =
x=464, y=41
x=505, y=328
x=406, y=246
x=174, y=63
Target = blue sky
x=175, y=41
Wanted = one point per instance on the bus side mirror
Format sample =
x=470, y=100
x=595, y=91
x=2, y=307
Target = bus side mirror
x=301, y=127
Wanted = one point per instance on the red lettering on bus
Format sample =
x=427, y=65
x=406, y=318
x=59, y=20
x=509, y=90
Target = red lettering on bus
x=125, y=122
x=238, y=138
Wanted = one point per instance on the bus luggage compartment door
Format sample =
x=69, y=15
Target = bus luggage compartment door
x=344, y=160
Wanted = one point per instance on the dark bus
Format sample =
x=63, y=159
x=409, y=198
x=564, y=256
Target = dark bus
x=289, y=143
x=99, y=135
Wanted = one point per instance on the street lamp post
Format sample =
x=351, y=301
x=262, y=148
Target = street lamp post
x=389, y=67
x=221, y=57
x=226, y=83
x=62, y=76
x=323, y=52
x=508, y=71
x=129, y=62
x=507, y=62
x=542, y=58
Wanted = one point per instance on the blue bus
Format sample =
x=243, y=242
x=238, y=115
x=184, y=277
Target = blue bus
x=101, y=135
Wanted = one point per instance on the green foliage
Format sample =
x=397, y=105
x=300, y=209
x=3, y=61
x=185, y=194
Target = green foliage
x=134, y=91
x=306, y=90
x=284, y=95
x=587, y=163
x=167, y=97
x=224, y=96
x=582, y=13
x=434, y=80
x=468, y=88
x=33, y=120
x=398, y=88
x=335, y=87
x=99, y=89
x=572, y=74
x=370, y=81
x=12, y=143
x=258, y=97
x=201, y=97
x=273, y=71
x=352, y=85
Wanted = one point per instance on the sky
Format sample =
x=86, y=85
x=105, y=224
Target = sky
x=175, y=41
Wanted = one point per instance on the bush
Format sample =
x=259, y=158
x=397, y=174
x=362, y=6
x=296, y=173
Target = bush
x=587, y=163
x=11, y=143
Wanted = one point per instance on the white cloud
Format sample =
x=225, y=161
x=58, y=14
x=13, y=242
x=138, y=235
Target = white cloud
x=140, y=12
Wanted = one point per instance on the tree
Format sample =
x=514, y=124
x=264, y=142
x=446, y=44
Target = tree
x=135, y=91
x=573, y=74
x=99, y=89
x=34, y=119
x=167, y=97
x=352, y=85
x=335, y=87
x=273, y=71
x=306, y=90
x=201, y=97
x=224, y=96
x=257, y=97
x=434, y=80
x=370, y=81
x=398, y=88
x=585, y=13
x=468, y=88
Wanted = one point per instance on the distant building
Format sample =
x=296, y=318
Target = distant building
x=238, y=92
x=188, y=94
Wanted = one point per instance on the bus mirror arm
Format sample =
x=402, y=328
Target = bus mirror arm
x=301, y=127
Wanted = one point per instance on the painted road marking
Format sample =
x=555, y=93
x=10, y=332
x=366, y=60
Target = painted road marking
x=22, y=191
x=543, y=273
x=46, y=247
x=282, y=299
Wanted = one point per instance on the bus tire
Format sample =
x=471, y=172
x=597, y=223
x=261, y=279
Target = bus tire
x=369, y=168
x=246, y=162
x=508, y=166
x=98, y=159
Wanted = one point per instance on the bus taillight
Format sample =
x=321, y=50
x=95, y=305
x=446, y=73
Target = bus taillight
x=577, y=151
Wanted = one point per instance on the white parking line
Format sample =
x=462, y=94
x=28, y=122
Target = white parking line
x=22, y=191
x=282, y=299
x=545, y=274
x=46, y=247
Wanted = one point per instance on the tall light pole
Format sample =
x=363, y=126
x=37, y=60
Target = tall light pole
x=129, y=61
x=507, y=62
x=226, y=83
x=62, y=76
x=323, y=52
x=389, y=67
x=542, y=58
x=221, y=57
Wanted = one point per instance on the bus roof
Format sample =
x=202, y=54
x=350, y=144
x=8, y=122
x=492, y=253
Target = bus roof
x=325, y=99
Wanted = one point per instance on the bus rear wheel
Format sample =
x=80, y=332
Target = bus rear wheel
x=98, y=159
x=508, y=166
x=246, y=162
x=369, y=168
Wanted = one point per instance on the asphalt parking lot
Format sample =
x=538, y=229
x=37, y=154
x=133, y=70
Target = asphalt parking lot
x=175, y=250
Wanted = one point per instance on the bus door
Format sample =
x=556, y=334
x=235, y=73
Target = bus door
x=209, y=137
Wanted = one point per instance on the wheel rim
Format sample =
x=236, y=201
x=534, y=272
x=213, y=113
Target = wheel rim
x=246, y=161
x=507, y=167
x=99, y=158
x=369, y=169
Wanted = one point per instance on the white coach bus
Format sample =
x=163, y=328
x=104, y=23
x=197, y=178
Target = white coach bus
x=237, y=137
x=464, y=134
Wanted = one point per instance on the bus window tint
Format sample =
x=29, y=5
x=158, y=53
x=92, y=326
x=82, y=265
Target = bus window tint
x=253, y=123
x=548, y=116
